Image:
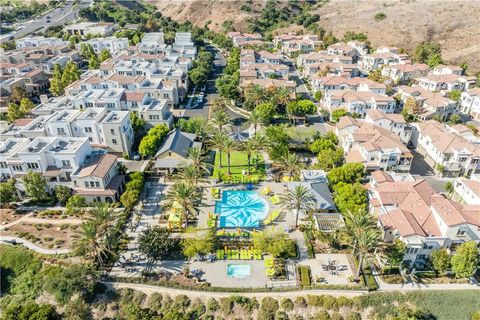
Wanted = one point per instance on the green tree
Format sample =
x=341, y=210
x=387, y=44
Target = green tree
x=155, y=243
x=91, y=244
x=425, y=51
x=29, y=310
x=87, y=52
x=255, y=119
x=350, y=197
x=376, y=75
x=301, y=107
x=185, y=195
x=434, y=60
x=56, y=85
x=26, y=105
x=62, y=193
x=272, y=241
x=130, y=198
x=198, y=245
x=216, y=142
x=329, y=159
x=229, y=145
x=449, y=187
x=150, y=143
x=14, y=112
x=348, y=173
x=318, y=95
x=255, y=95
x=465, y=260
x=35, y=186
x=265, y=111
x=249, y=147
x=338, y=113
x=299, y=199
x=476, y=315
x=8, y=45
x=8, y=192
x=104, y=55
x=278, y=142
x=76, y=204
x=289, y=166
x=220, y=120
x=77, y=309
x=70, y=74
x=440, y=260
x=93, y=63
x=394, y=252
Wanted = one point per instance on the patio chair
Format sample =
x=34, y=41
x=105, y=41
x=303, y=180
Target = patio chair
x=275, y=199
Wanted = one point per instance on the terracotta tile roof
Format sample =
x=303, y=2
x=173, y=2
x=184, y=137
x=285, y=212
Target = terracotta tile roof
x=381, y=176
x=134, y=96
x=22, y=122
x=473, y=185
x=453, y=213
x=403, y=221
x=98, y=166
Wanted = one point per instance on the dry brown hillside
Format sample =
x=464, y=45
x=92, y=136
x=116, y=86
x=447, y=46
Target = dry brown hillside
x=454, y=24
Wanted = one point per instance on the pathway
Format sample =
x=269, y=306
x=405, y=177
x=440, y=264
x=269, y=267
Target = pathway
x=8, y=225
x=297, y=235
x=33, y=247
x=54, y=221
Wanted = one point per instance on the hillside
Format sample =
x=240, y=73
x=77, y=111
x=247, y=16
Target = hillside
x=455, y=25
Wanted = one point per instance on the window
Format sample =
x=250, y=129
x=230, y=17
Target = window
x=86, y=184
x=165, y=96
x=461, y=232
x=17, y=168
x=3, y=164
x=462, y=159
x=154, y=117
x=97, y=184
x=474, y=161
x=66, y=164
x=112, y=131
x=110, y=105
x=32, y=165
x=92, y=184
x=88, y=129
x=60, y=130
x=114, y=141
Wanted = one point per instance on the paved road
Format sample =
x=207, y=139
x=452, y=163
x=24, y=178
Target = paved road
x=58, y=16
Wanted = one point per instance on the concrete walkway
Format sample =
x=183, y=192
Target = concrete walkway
x=11, y=224
x=33, y=247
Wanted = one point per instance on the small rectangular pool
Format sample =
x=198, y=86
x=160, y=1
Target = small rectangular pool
x=238, y=270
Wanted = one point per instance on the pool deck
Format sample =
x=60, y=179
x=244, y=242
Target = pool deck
x=216, y=274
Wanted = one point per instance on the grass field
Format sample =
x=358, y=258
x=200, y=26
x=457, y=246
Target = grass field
x=238, y=163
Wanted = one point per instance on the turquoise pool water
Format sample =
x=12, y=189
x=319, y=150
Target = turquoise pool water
x=241, y=209
x=238, y=270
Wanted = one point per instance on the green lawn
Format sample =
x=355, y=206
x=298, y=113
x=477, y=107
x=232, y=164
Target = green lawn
x=238, y=163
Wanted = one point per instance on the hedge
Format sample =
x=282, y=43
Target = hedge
x=305, y=276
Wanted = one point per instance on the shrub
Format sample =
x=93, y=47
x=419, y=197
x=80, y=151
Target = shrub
x=380, y=16
x=353, y=316
x=286, y=304
x=305, y=276
x=314, y=301
x=212, y=305
x=226, y=305
x=268, y=308
x=321, y=315
x=300, y=302
x=336, y=316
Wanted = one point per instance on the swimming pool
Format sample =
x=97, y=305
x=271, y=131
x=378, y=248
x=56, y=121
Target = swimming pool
x=238, y=270
x=241, y=209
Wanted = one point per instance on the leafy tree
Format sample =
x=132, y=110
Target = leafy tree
x=376, y=75
x=476, y=315
x=351, y=35
x=18, y=93
x=153, y=139
x=298, y=199
x=465, y=260
x=434, y=60
x=348, y=173
x=93, y=63
x=220, y=120
x=155, y=243
x=35, y=186
x=191, y=125
x=26, y=105
x=265, y=111
x=29, y=310
x=193, y=246
x=424, y=51
x=411, y=106
x=454, y=95
x=8, y=192
x=440, y=260
x=76, y=204
x=255, y=95
x=70, y=74
x=329, y=159
x=278, y=142
x=62, y=193
x=227, y=85
x=449, y=187
x=87, y=52
x=286, y=304
x=394, y=252
x=91, y=243
x=14, y=112
x=77, y=309
x=318, y=95
x=104, y=55
x=56, y=85
x=350, y=197
x=338, y=113
x=130, y=198
x=271, y=241
x=8, y=45
x=464, y=66
x=301, y=108
x=268, y=309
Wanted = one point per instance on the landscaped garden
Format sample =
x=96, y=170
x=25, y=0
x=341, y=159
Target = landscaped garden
x=239, y=167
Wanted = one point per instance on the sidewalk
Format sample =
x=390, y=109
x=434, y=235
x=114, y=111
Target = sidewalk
x=33, y=247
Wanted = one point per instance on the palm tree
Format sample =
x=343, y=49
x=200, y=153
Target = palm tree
x=229, y=145
x=220, y=119
x=249, y=147
x=185, y=195
x=255, y=118
x=189, y=174
x=298, y=199
x=261, y=143
x=197, y=159
x=91, y=243
x=255, y=94
x=289, y=165
x=216, y=142
x=104, y=215
x=361, y=234
x=283, y=96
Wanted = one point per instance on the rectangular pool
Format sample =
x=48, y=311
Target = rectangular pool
x=238, y=270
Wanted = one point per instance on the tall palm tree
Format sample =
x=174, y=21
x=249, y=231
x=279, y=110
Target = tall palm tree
x=196, y=158
x=189, y=174
x=220, y=119
x=249, y=147
x=91, y=243
x=185, y=195
x=104, y=215
x=216, y=142
x=261, y=143
x=289, y=165
x=283, y=96
x=229, y=145
x=255, y=94
x=298, y=199
x=361, y=234
x=255, y=118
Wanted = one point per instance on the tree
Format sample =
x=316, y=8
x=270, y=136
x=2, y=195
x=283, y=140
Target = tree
x=130, y=198
x=62, y=193
x=76, y=204
x=465, y=260
x=104, y=55
x=14, y=112
x=185, y=195
x=424, y=51
x=91, y=244
x=434, y=60
x=77, y=309
x=329, y=159
x=376, y=75
x=216, y=142
x=8, y=192
x=8, y=45
x=338, y=113
x=350, y=197
x=93, y=63
x=449, y=187
x=278, y=142
x=298, y=199
x=197, y=160
x=476, y=315
x=26, y=105
x=266, y=111
x=255, y=95
x=70, y=74
x=394, y=252
x=318, y=95
x=301, y=107
x=35, y=186
x=18, y=93
x=56, y=84
x=150, y=142
x=194, y=246
x=411, y=106
x=440, y=260
x=289, y=166
x=255, y=119
x=361, y=234
x=349, y=173
x=249, y=147
x=464, y=66
x=380, y=16
x=155, y=243
x=29, y=310
x=86, y=50
x=274, y=242
x=220, y=120
x=281, y=96
x=229, y=145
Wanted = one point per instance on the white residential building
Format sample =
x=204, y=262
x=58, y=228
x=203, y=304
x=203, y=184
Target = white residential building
x=103, y=29
x=39, y=42
x=112, y=44
x=468, y=189
x=327, y=83
x=374, y=61
x=290, y=43
x=358, y=102
x=393, y=122
x=470, y=103
x=403, y=73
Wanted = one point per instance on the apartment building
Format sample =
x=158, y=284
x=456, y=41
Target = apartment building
x=290, y=43
x=445, y=82
x=424, y=220
x=446, y=151
x=104, y=29
x=373, y=146
x=404, y=73
x=33, y=42
x=112, y=44
x=333, y=82
x=468, y=189
x=243, y=40
x=374, y=61
x=393, y=122
x=358, y=102
x=470, y=103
